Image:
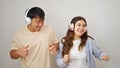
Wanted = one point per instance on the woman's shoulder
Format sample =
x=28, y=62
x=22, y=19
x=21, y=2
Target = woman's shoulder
x=90, y=40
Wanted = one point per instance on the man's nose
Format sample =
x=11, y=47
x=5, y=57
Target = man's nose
x=40, y=24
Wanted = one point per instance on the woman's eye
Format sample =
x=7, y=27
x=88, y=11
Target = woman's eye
x=84, y=25
x=79, y=25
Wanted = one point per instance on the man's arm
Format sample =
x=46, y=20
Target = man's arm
x=14, y=54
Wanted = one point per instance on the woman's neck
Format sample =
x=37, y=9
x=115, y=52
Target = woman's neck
x=76, y=37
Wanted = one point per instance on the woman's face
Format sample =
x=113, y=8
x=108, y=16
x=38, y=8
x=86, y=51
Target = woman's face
x=80, y=28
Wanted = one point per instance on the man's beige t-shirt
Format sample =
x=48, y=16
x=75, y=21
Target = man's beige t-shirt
x=38, y=42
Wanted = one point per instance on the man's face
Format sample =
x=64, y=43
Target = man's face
x=36, y=24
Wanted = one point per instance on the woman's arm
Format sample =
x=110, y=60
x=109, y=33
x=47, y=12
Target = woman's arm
x=59, y=58
x=98, y=53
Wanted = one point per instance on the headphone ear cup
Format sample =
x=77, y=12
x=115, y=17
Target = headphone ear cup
x=27, y=20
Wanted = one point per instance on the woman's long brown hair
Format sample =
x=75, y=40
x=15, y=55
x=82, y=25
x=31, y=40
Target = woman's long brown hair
x=67, y=41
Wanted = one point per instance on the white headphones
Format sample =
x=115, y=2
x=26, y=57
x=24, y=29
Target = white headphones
x=27, y=19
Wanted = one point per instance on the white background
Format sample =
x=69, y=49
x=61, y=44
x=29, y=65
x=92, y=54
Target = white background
x=103, y=18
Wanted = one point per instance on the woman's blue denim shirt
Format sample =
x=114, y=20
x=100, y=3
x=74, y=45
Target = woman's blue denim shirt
x=91, y=50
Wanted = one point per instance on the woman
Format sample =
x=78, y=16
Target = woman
x=76, y=49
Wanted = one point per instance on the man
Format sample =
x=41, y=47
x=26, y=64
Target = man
x=33, y=43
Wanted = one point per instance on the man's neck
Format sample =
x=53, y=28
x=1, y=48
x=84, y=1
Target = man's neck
x=30, y=28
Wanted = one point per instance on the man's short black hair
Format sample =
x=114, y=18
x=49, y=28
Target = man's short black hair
x=36, y=11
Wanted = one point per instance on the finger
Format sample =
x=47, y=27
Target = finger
x=52, y=52
x=51, y=47
x=106, y=58
x=26, y=46
x=66, y=55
